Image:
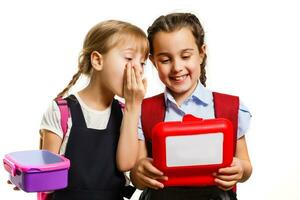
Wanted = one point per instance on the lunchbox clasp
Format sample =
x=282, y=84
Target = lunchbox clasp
x=10, y=167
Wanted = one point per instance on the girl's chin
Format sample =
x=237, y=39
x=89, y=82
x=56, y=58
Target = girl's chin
x=175, y=90
x=180, y=90
x=120, y=94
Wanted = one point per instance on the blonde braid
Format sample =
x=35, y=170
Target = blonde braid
x=83, y=68
x=71, y=83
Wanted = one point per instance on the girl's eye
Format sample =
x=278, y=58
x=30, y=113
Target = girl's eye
x=185, y=57
x=165, y=61
x=129, y=59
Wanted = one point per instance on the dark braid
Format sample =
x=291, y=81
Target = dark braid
x=203, y=71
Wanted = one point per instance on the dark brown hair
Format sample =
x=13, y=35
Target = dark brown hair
x=176, y=21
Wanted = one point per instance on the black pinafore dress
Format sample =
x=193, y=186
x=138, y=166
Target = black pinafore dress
x=93, y=174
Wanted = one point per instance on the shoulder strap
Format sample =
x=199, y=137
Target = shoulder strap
x=121, y=104
x=64, y=114
x=153, y=111
x=227, y=106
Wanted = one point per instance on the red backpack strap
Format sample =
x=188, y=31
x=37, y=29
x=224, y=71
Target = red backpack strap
x=64, y=114
x=227, y=106
x=153, y=111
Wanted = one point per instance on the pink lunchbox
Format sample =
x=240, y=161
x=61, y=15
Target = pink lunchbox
x=37, y=170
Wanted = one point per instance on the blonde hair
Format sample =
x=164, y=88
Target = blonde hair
x=101, y=38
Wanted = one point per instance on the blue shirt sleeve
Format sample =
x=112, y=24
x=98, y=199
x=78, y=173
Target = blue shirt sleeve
x=244, y=118
x=140, y=130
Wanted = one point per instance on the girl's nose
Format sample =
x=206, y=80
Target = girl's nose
x=177, y=66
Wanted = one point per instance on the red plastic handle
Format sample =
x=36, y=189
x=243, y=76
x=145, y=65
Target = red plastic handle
x=190, y=117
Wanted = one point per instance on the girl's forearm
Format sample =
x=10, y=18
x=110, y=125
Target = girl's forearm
x=242, y=154
x=50, y=141
x=246, y=164
x=128, y=142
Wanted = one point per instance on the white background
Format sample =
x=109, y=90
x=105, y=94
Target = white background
x=253, y=52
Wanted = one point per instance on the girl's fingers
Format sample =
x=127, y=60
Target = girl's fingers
x=124, y=80
x=16, y=188
x=227, y=177
x=229, y=170
x=148, y=175
x=125, y=75
x=128, y=75
x=225, y=184
x=134, y=86
x=152, y=183
x=155, y=176
x=138, y=77
x=151, y=169
x=133, y=77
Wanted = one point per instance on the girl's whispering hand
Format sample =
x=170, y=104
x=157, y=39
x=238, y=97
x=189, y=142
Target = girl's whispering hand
x=134, y=86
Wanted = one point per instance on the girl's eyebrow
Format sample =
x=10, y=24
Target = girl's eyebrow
x=162, y=54
x=129, y=49
x=188, y=49
x=182, y=50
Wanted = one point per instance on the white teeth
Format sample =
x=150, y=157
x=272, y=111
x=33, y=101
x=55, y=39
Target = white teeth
x=179, y=78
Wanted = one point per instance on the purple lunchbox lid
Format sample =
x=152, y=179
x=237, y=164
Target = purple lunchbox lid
x=35, y=161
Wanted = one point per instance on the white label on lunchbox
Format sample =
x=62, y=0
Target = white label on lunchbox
x=190, y=150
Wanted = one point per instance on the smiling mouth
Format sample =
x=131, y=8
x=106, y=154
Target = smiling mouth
x=178, y=78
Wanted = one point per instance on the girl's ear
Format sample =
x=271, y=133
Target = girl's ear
x=202, y=51
x=152, y=60
x=97, y=60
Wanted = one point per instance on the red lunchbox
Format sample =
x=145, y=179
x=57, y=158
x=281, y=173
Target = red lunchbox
x=188, y=152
